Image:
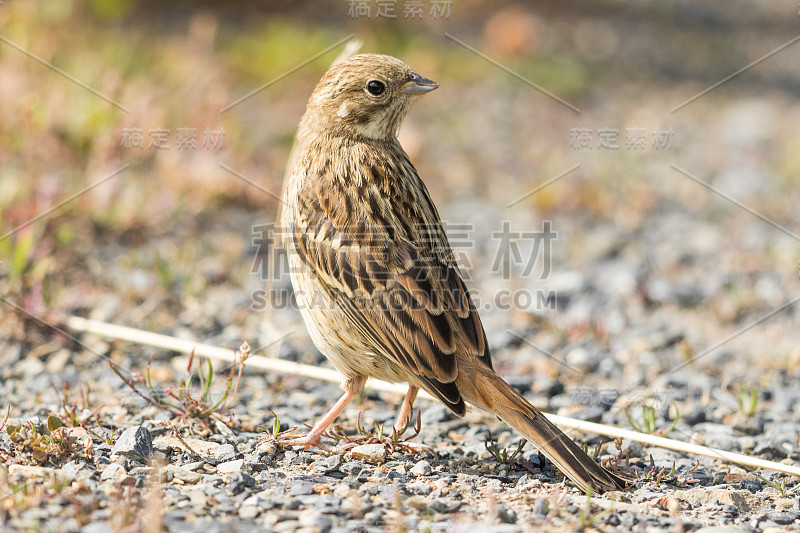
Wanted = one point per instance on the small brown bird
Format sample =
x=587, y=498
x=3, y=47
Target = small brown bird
x=373, y=272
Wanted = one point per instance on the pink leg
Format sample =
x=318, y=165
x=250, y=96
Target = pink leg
x=405, y=410
x=352, y=389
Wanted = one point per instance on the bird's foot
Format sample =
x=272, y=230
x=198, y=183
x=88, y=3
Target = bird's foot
x=413, y=447
x=289, y=441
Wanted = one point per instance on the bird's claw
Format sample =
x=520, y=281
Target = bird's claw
x=415, y=447
x=288, y=441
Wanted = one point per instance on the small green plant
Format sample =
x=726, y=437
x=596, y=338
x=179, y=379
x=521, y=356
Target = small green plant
x=16, y=251
x=595, y=453
x=656, y=475
x=648, y=422
x=501, y=455
x=275, y=431
x=780, y=486
x=184, y=401
x=108, y=437
x=747, y=400
x=54, y=446
x=652, y=474
x=26, y=273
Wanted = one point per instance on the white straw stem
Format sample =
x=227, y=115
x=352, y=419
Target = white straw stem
x=167, y=342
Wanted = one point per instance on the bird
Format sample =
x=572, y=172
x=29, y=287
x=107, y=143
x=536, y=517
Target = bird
x=372, y=270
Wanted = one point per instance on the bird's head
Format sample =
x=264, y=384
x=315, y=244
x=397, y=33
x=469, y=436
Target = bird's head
x=366, y=95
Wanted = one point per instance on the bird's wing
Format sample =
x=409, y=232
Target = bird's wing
x=401, y=296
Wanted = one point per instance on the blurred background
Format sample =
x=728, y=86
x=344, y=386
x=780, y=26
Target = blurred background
x=589, y=115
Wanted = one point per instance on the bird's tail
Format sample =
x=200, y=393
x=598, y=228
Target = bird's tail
x=500, y=398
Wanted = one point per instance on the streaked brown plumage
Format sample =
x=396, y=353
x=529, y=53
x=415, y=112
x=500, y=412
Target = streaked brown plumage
x=373, y=272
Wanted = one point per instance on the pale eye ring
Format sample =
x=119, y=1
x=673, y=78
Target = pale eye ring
x=375, y=87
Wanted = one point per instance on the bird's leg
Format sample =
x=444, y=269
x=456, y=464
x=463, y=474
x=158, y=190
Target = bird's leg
x=352, y=389
x=405, y=417
x=405, y=409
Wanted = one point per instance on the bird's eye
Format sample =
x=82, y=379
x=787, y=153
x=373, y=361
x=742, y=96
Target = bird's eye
x=376, y=87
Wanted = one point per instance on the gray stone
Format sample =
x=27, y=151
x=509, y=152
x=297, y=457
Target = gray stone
x=422, y=468
x=97, y=527
x=160, y=445
x=241, y=481
x=581, y=358
x=590, y=413
x=286, y=525
x=257, y=462
x=722, y=441
x=301, y=488
x=506, y=515
x=102, y=449
x=134, y=443
x=293, y=504
x=371, y=453
x=631, y=448
x=76, y=470
x=230, y=467
x=141, y=471
x=328, y=464
x=249, y=511
x=185, y=475
x=743, y=500
x=373, y=517
x=313, y=518
x=782, y=518
x=440, y=505
x=194, y=466
x=646, y=493
x=541, y=507
x=289, y=458
x=255, y=500
x=418, y=488
x=352, y=468
x=769, y=447
x=112, y=471
x=224, y=450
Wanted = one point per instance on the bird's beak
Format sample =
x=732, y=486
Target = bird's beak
x=418, y=85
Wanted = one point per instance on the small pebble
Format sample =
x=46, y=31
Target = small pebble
x=224, y=450
x=506, y=515
x=312, y=518
x=631, y=448
x=248, y=511
x=422, y=468
x=327, y=464
x=301, y=488
x=230, y=467
x=134, y=443
x=371, y=453
x=541, y=507
x=185, y=475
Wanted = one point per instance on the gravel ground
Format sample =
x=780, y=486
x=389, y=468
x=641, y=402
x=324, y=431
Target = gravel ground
x=226, y=472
